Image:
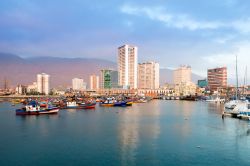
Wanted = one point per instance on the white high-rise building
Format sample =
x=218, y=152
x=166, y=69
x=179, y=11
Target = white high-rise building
x=148, y=75
x=94, y=82
x=127, y=66
x=182, y=75
x=43, y=83
x=78, y=84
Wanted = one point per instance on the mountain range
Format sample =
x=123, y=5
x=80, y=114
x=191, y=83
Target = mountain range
x=18, y=70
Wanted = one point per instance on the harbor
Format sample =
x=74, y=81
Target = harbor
x=159, y=132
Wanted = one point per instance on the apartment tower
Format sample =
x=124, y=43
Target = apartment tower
x=182, y=74
x=148, y=75
x=43, y=83
x=94, y=82
x=217, y=78
x=127, y=66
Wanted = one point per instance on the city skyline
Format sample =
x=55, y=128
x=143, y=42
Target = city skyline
x=185, y=32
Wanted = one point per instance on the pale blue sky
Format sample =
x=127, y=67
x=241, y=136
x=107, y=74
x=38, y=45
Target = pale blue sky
x=203, y=34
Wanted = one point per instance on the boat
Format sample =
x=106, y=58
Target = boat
x=188, y=98
x=232, y=104
x=216, y=99
x=243, y=111
x=109, y=102
x=103, y=104
x=71, y=104
x=129, y=103
x=120, y=104
x=15, y=101
x=87, y=105
x=33, y=108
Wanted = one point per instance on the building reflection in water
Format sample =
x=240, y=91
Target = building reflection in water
x=138, y=123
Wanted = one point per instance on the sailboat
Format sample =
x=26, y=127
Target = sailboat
x=231, y=106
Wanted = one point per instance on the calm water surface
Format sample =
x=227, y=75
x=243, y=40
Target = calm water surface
x=156, y=133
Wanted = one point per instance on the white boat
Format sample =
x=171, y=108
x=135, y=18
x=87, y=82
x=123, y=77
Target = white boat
x=240, y=108
x=232, y=104
x=71, y=104
x=243, y=110
x=217, y=99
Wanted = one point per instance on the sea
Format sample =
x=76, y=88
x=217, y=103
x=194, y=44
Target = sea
x=160, y=133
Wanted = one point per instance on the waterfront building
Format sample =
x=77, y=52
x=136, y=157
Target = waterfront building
x=43, y=83
x=108, y=79
x=148, y=75
x=21, y=89
x=94, y=82
x=127, y=66
x=202, y=83
x=32, y=88
x=78, y=84
x=217, y=78
x=182, y=74
x=185, y=89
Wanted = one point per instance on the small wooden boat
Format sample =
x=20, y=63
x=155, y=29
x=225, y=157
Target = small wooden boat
x=34, y=109
x=88, y=106
x=120, y=104
x=129, y=103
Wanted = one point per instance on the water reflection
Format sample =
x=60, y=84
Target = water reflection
x=136, y=126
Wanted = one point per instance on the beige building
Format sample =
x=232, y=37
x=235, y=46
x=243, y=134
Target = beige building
x=94, y=82
x=127, y=66
x=78, y=84
x=148, y=75
x=185, y=89
x=43, y=83
x=32, y=87
x=182, y=75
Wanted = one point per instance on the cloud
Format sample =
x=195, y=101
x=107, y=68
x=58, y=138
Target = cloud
x=242, y=50
x=184, y=21
x=180, y=21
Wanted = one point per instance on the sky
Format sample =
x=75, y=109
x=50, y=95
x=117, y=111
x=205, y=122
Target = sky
x=202, y=34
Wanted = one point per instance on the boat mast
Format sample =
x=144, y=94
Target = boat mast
x=245, y=81
x=237, y=78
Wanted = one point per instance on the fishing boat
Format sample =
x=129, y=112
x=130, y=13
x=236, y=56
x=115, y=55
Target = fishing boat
x=15, y=101
x=120, y=104
x=188, y=98
x=129, y=103
x=33, y=108
x=87, y=105
x=71, y=104
x=109, y=102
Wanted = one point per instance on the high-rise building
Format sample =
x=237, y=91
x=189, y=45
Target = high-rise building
x=94, y=82
x=182, y=75
x=78, y=84
x=21, y=89
x=108, y=79
x=43, y=83
x=217, y=78
x=127, y=66
x=148, y=75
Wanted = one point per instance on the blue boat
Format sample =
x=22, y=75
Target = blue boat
x=120, y=104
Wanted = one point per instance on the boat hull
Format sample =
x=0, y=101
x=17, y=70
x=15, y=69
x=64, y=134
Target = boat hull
x=107, y=105
x=39, y=112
